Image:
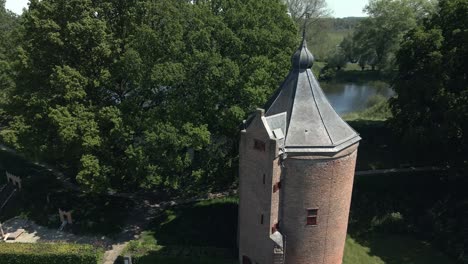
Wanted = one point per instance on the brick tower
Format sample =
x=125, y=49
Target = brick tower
x=297, y=161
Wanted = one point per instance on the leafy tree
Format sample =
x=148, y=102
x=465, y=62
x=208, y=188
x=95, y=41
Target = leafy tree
x=431, y=112
x=431, y=107
x=380, y=34
x=337, y=59
x=145, y=94
x=8, y=39
x=349, y=49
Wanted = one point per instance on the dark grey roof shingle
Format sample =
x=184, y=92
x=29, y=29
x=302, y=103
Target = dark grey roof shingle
x=312, y=125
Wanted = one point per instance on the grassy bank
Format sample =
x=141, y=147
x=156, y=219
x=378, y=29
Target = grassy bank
x=392, y=249
x=377, y=109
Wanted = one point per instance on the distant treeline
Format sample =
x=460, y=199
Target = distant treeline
x=343, y=24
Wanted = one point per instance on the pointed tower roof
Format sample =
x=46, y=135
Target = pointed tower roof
x=311, y=123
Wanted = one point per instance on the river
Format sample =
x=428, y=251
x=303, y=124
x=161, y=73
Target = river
x=353, y=97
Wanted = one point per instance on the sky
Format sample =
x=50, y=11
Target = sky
x=340, y=8
x=347, y=8
x=16, y=5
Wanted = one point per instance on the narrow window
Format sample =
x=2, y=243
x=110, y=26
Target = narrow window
x=264, y=177
x=277, y=186
x=259, y=145
x=261, y=219
x=312, y=216
x=274, y=228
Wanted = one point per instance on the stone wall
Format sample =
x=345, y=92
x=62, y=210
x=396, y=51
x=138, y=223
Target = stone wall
x=257, y=152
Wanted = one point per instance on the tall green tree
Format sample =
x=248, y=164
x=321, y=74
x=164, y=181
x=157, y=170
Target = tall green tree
x=431, y=107
x=8, y=39
x=145, y=94
x=379, y=35
x=431, y=112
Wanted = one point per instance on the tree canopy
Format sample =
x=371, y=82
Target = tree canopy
x=431, y=110
x=144, y=94
x=376, y=38
x=432, y=104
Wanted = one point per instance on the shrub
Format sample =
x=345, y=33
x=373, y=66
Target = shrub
x=378, y=111
x=22, y=253
x=327, y=73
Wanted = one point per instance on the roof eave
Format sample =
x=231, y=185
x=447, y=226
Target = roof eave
x=324, y=150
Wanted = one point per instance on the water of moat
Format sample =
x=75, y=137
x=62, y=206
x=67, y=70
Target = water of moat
x=354, y=97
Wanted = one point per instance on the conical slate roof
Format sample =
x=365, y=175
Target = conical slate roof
x=312, y=125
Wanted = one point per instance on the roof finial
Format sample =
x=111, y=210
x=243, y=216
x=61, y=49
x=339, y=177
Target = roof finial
x=306, y=17
x=303, y=58
x=304, y=30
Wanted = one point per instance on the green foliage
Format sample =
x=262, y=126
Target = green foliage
x=431, y=107
x=327, y=73
x=325, y=34
x=144, y=94
x=349, y=49
x=376, y=39
x=430, y=112
x=8, y=38
x=337, y=59
x=377, y=109
x=18, y=253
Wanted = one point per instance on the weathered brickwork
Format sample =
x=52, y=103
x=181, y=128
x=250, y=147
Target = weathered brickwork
x=323, y=184
x=297, y=162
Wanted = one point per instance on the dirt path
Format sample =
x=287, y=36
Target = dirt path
x=112, y=254
x=34, y=233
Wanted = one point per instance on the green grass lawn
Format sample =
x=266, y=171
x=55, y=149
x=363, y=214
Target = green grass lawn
x=205, y=232
x=392, y=249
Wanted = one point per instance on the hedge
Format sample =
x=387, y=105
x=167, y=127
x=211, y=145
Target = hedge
x=56, y=253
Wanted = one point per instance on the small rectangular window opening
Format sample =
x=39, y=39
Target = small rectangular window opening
x=277, y=186
x=264, y=177
x=275, y=228
x=261, y=219
x=312, y=216
x=259, y=145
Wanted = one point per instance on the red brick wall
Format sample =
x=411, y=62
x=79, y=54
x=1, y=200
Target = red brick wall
x=317, y=183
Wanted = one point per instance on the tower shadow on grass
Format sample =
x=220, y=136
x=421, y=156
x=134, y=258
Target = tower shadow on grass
x=203, y=224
